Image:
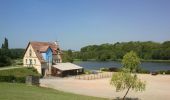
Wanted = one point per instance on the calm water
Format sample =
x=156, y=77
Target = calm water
x=95, y=65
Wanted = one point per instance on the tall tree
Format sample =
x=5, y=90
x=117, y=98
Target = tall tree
x=5, y=44
x=2, y=45
x=127, y=77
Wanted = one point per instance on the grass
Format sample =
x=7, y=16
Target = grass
x=14, y=91
x=11, y=66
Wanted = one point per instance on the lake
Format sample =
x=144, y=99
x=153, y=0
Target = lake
x=96, y=65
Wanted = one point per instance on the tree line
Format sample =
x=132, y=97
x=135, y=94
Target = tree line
x=8, y=55
x=148, y=50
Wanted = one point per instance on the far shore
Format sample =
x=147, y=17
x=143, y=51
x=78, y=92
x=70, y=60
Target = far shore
x=119, y=60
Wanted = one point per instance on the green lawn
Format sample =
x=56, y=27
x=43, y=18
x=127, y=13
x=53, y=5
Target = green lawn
x=14, y=91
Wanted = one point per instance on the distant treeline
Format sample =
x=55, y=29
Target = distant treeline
x=145, y=50
x=7, y=55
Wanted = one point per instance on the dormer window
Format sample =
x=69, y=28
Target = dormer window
x=30, y=53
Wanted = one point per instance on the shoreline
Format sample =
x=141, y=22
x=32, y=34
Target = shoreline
x=119, y=60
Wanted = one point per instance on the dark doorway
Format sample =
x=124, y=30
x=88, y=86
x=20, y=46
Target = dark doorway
x=43, y=71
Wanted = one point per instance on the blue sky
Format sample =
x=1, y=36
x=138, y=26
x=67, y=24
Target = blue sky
x=77, y=23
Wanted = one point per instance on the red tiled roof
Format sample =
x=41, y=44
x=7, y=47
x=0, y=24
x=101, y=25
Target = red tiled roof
x=40, y=47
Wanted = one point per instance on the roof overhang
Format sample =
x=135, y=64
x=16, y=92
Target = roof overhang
x=67, y=66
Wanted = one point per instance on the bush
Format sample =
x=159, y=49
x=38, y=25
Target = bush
x=4, y=61
x=167, y=72
x=12, y=79
x=111, y=69
x=104, y=69
x=87, y=72
x=20, y=79
x=164, y=72
x=7, y=78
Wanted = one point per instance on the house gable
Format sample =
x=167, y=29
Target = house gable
x=41, y=55
x=30, y=59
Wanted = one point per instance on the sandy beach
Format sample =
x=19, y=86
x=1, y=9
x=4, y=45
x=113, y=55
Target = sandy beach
x=157, y=87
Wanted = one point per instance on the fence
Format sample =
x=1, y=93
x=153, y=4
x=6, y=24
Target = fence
x=94, y=76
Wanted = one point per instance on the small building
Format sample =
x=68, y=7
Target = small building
x=66, y=69
x=41, y=56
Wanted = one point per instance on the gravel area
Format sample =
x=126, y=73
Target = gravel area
x=157, y=87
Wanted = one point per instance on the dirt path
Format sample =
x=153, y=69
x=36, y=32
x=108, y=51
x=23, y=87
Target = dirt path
x=157, y=87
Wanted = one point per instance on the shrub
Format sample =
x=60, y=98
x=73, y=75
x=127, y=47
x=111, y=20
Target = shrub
x=20, y=79
x=161, y=72
x=7, y=78
x=164, y=72
x=113, y=69
x=104, y=69
x=88, y=72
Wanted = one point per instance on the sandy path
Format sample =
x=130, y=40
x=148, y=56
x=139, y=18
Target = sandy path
x=157, y=87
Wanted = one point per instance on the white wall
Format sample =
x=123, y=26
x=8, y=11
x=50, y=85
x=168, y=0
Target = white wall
x=35, y=61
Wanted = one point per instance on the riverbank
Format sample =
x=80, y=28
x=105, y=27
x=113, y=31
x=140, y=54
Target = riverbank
x=157, y=61
x=119, y=60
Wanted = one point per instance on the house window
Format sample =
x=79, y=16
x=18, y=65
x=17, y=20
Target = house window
x=30, y=61
x=58, y=60
x=30, y=52
x=34, y=61
x=26, y=61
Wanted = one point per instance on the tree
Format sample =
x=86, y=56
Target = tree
x=5, y=60
x=5, y=54
x=131, y=62
x=5, y=44
x=2, y=45
x=127, y=77
x=145, y=50
x=67, y=56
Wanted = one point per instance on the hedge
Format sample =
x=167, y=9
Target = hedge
x=164, y=72
x=12, y=79
x=17, y=75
